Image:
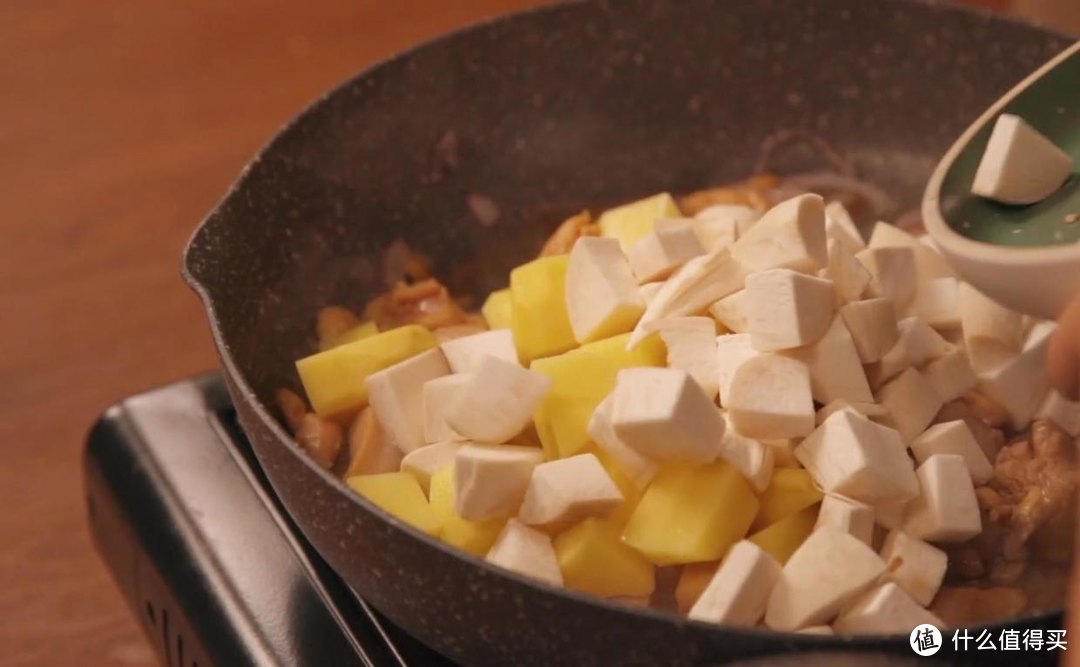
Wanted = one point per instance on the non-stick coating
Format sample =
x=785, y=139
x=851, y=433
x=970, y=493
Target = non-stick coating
x=555, y=109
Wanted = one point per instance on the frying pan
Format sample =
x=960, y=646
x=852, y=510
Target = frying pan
x=552, y=110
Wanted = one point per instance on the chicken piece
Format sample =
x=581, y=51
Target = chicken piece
x=1036, y=478
x=427, y=303
x=565, y=235
x=752, y=192
x=331, y=322
x=320, y=438
x=966, y=606
x=990, y=439
x=293, y=408
x=371, y=451
x=1027, y=510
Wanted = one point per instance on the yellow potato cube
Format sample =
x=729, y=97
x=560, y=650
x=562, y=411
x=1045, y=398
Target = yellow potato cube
x=782, y=538
x=580, y=379
x=399, y=494
x=498, y=310
x=593, y=559
x=631, y=222
x=334, y=379
x=789, y=490
x=539, y=319
x=693, y=580
x=691, y=514
x=359, y=332
x=476, y=537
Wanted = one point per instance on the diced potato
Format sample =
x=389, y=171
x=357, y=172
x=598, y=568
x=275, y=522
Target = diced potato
x=399, y=494
x=498, y=309
x=593, y=559
x=782, y=538
x=693, y=580
x=691, y=514
x=631, y=222
x=790, y=490
x=359, y=332
x=539, y=319
x=476, y=537
x=334, y=379
x=580, y=379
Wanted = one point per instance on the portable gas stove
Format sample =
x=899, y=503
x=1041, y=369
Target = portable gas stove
x=208, y=560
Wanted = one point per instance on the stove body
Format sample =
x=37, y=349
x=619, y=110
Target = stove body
x=208, y=560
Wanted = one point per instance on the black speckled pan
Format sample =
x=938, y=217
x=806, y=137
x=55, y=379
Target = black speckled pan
x=554, y=109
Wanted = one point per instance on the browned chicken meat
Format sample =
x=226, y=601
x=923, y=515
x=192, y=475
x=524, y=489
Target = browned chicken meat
x=1028, y=515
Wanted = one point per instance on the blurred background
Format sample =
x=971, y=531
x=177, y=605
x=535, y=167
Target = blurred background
x=121, y=125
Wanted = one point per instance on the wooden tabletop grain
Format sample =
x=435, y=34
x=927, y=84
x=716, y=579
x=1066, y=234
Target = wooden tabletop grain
x=121, y=124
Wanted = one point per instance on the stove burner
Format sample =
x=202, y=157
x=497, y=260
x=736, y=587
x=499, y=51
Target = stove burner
x=205, y=555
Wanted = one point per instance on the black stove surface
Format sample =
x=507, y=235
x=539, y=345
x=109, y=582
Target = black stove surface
x=208, y=560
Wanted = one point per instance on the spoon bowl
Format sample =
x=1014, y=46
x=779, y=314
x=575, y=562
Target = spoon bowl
x=1026, y=257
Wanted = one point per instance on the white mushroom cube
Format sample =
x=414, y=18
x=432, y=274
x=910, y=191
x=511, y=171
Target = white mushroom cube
x=872, y=325
x=954, y=437
x=912, y=403
x=663, y=414
x=739, y=591
x=883, y=611
x=993, y=334
x=396, y=396
x=872, y=411
x=526, y=551
x=1061, y=411
x=648, y=291
x=786, y=309
x=490, y=481
x=790, y=235
x=697, y=284
x=438, y=396
x=835, y=370
x=938, y=303
x=602, y=296
x=638, y=467
x=917, y=345
x=929, y=264
x=1020, y=384
x=824, y=574
x=1020, y=165
x=424, y=462
x=892, y=271
x=666, y=248
x=849, y=277
x=854, y=457
x=750, y=457
x=946, y=509
x=914, y=565
x=951, y=375
x=730, y=312
x=497, y=401
x=568, y=490
x=465, y=354
x=691, y=347
x=718, y=226
x=770, y=398
x=840, y=227
x=731, y=351
x=850, y=516
x=890, y=515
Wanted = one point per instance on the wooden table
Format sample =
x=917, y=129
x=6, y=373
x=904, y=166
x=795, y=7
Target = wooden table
x=121, y=124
